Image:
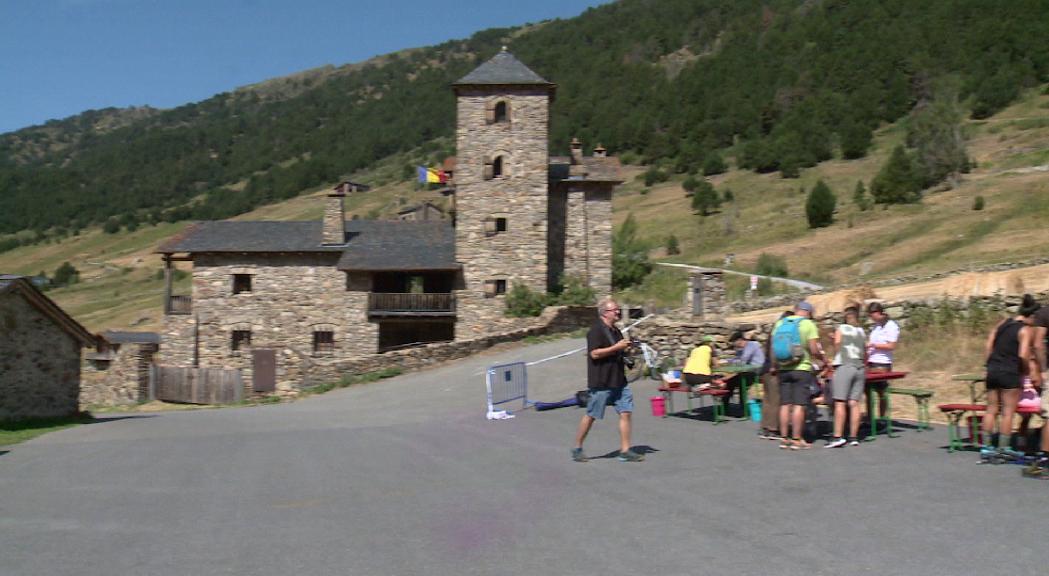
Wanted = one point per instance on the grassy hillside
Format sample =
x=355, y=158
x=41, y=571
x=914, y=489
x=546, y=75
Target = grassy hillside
x=943, y=232
x=120, y=286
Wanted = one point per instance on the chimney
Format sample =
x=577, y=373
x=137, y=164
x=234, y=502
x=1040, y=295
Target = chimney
x=577, y=151
x=335, y=217
x=600, y=151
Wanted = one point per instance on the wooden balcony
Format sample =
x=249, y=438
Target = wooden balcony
x=179, y=305
x=401, y=304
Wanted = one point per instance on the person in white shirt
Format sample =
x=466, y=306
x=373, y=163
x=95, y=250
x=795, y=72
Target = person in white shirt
x=881, y=344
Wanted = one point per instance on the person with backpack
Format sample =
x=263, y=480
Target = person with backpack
x=796, y=350
x=1010, y=356
x=770, y=385
x=850, y=376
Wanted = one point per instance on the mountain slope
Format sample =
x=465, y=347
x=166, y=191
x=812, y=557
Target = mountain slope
x=663, y=79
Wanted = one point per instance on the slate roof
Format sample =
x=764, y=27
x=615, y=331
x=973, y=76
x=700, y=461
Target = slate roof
x=396, y=245
x=21, y=285
x=117, y=337
x=503, y=68
x=370, y=244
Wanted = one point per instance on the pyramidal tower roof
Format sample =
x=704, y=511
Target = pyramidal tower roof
x=503, y=68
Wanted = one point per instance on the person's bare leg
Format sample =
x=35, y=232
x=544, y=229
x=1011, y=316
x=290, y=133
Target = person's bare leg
x=990, y=417
x=1005, y=429
x=784, y=420
x=624, y=431
x=839, y=418
x=797, y=420
x=854, y=418
x=584, y=428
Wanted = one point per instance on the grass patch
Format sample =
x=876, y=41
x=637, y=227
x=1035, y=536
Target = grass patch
x=351, y=379
x=552, y=337
x=17, y=431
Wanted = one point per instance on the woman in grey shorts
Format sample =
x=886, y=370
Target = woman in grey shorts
x=850, y=375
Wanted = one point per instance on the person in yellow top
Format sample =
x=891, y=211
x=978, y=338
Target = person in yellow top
x=699, y=368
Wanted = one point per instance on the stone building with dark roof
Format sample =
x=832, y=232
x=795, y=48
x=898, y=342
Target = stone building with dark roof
x=272, y=297
x=39, y=353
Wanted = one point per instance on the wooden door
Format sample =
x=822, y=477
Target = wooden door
x=264, y=370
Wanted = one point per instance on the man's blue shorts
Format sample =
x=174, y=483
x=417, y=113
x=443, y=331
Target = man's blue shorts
x=621, y=398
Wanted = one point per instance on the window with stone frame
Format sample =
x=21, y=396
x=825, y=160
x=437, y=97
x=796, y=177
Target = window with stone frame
x=494, y=287
x=495, y=225
x=497, y=112
x=497, y=167
x=241, y=283
x=240, y=339
x=323, y=340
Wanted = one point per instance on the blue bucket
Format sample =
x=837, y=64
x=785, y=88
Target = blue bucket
x=755, y=409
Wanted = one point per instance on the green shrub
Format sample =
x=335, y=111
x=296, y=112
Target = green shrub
x=522, y=301
x=575, y=292
x=672, y=245
x=771, y=265
x=978, y=203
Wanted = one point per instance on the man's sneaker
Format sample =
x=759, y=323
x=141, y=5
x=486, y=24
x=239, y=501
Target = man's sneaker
x=854, y=442
x=836, y=443
x=578, y=455
x=1038, y=469
x=630, y=456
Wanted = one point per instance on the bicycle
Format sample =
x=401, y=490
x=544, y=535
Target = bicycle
x=643, y=359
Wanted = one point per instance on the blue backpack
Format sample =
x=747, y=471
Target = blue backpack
x=787, y=348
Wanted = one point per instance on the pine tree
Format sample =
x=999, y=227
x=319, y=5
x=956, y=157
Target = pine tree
x=705, y=198
x=896, y=182
x=859, y=197
x=819, y=206
x=630, y=262
x=713, y=164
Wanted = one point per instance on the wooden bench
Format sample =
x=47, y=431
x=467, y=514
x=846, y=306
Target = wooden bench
x=955, y=413
x=668, y=392
x=921, y=397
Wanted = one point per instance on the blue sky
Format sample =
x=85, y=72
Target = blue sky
x=61, y=57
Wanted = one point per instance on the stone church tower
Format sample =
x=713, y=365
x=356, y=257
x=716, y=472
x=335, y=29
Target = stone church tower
x=515, y=220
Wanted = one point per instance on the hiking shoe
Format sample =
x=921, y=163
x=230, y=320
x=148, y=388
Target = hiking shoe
x=630, y=456
x=836, y=443
x=1034, y=471
x=578, y=455
x=854, y=442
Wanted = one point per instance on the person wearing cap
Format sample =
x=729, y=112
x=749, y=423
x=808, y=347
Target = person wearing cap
x=881, y=345
x=699, y=368
x=1010, y=356
x=748, y=353
x=797, y=379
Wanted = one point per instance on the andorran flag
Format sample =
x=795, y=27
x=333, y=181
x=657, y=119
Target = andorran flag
x=427, y=175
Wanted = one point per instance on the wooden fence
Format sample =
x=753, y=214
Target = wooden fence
x=196, y=385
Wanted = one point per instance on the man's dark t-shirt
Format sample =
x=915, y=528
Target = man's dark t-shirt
x=606, y=372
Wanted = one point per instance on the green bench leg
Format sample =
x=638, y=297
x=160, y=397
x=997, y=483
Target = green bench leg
x=719, y=410
x=923, y=414
x=954, y=441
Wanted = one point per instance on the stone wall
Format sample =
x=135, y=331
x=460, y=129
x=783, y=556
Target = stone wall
x=291, y=297
x=518, y=254
x=39, y=363
x=709, y=285
x=122, y=380
x=553, y=320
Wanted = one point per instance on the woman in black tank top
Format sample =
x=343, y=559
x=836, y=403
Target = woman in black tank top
x=1010, y=349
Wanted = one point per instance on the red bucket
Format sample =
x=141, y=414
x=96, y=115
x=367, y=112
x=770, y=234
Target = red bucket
x=659, y=408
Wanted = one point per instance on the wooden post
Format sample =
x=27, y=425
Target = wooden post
x=167, y=284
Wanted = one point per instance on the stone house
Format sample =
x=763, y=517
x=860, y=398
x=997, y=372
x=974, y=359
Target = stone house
x=39, y=353
x=273, y=298
x=116, y=372
x=424, y=211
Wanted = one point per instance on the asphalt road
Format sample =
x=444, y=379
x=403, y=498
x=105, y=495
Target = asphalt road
x=406, y=476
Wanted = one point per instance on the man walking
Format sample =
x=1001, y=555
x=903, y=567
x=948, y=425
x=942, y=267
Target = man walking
x=606, y=381
x=795, y=346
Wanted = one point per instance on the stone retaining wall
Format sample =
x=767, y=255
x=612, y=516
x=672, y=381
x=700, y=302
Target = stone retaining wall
x=553, y=320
